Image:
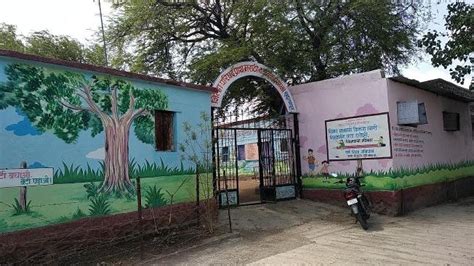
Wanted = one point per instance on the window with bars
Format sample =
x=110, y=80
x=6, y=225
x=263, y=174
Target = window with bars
x=451, y=121
x=284, y=145
x=164, y=130
x=225, y=154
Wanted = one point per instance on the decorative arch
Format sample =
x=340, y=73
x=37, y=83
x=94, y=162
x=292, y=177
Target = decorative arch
x=243, y=69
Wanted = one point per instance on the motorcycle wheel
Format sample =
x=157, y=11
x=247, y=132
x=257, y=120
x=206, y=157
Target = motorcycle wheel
x=362, y=221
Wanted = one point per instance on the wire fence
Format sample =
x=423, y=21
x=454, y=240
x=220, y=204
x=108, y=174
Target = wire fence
x=143, y=233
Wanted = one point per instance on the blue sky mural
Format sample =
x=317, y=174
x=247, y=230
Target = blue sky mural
x=23, y=127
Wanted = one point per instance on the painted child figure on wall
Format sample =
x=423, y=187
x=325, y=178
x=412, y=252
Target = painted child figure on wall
x=311, y=162
x=325, y=170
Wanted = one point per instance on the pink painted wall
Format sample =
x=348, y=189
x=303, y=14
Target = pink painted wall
x=357, y=94
x=434, y=144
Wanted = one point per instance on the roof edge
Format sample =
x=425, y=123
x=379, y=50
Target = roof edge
x=438, y=86
x=103, y=70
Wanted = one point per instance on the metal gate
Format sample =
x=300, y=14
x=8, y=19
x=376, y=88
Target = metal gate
x=270, y=150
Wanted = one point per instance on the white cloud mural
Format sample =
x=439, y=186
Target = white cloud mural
x=98, y=154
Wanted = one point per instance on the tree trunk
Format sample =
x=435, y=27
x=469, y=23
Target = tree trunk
x=116, y=157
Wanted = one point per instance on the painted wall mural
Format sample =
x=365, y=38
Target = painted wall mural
x=393, y=180
x=311, y=160
x=98, y=133
x=65, y=103
x=421, y=155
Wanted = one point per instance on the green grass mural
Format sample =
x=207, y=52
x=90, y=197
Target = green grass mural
x=398, y=178
x=65, y=103
x=76, y=174
x=76, y=194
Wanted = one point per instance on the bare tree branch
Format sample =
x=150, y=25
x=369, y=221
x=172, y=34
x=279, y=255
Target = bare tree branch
x=131, y=108
x=74, y=107
x=94, y=107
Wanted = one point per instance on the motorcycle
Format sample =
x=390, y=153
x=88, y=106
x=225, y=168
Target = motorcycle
x=357, y=201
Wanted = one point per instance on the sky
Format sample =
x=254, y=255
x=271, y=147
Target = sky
x=80, y=18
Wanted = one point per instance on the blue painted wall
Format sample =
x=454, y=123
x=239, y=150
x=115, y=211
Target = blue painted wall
x=20, y=141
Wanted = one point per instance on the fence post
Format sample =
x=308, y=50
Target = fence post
x=140, y=217
x=23, y=190
x=139, y=199
x=227, y=200
x=197, y=194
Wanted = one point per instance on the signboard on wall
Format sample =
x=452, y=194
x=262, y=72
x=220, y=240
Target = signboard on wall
x=359, y=137
x=26, y=177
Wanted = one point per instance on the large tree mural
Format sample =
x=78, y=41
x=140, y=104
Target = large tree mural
x=66, y=103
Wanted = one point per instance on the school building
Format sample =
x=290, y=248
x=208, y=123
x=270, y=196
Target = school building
x=75, y=137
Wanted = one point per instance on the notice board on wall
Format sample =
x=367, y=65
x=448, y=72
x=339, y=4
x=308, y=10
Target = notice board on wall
x=358, y=137
x=26, y=177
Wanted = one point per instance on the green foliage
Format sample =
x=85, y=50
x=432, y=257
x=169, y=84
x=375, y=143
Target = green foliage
x=9, y=38
x=53, y=100
x=3, y=225
x=460, y=41
x=154, y=197
x=99, y=205
x=78, y=214
x=44, y=43
x=143, y=126
x=399, y=178
x=302, y=40
x=402, y=172
x=92, y=190
x=153, y=169
x=63, y=219
x=18, y=210
x=76, y=174
x=50, y=203
x=55, y=46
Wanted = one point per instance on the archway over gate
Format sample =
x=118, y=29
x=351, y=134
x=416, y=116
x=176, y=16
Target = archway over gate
x=276, y=150
x=244, y=69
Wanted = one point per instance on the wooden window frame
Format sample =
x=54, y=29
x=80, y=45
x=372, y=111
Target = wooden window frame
x=458, y=121
x=164, y=130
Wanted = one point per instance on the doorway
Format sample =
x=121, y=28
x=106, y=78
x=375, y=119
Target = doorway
x=254, y=165
x=255, y=136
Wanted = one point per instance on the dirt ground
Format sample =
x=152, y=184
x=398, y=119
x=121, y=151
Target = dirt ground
x=302, y=232
x=249, y=190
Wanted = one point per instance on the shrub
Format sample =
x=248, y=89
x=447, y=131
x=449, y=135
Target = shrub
x=154, y=197
x=99, y=205
x=18, y=210
x=92, y=190
x=78, y=214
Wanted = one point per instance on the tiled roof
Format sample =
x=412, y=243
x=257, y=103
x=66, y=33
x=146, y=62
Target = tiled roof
x=104, y=70
x=439, y=87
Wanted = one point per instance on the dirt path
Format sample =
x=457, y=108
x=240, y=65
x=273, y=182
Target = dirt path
x=305, y=232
